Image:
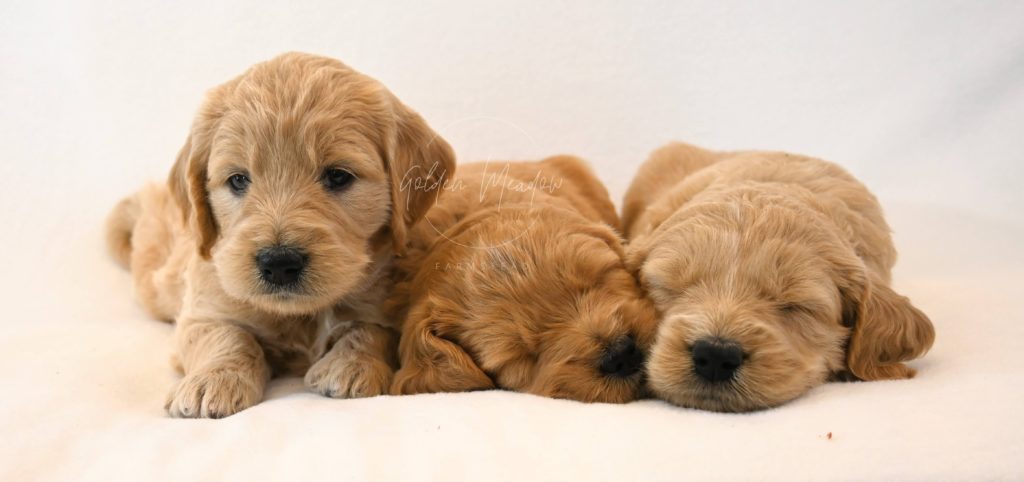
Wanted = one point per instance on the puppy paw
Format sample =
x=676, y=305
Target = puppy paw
x=214, y=394
x=348, y=375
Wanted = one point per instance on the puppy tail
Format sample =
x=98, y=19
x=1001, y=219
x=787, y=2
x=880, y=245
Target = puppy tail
x=120, y=224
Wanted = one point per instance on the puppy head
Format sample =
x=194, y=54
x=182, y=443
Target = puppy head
x=761, y=302
x=296, y=172
x=553, y=312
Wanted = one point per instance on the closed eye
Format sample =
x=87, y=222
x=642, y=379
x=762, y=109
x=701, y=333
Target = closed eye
x=795, y=309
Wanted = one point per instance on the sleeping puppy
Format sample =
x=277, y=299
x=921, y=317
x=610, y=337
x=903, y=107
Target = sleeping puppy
x=271, y=243
x=772, y=274
x=516, y=281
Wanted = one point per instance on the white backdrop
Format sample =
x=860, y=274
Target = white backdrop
x=923, y=100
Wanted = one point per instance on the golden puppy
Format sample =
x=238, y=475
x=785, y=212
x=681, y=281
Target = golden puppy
x=517, y=281
x=271, y=243
x=771, y=272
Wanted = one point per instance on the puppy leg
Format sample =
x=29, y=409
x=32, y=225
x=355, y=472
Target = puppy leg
x=225, y=371
x=359, y=364
x=432, y=364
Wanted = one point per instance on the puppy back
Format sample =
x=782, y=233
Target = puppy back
x=818, y=184
x=666, y=167
x=581, y=187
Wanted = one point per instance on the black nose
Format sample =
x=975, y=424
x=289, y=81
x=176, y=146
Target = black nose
x=716, y=360
x=280, y=265
x=622, y=359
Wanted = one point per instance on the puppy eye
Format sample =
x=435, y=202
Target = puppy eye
x=336, y=179
x=239, y=183
x=794, y=309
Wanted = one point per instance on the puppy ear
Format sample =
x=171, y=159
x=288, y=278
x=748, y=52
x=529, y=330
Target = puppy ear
x=887, y=330
x=187, y=183
x=432, y=364
x=188, y=178
x=419, y=162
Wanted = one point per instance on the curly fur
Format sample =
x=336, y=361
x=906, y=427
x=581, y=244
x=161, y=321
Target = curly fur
x=786, y=255
x=191, y=244
x=516, y=281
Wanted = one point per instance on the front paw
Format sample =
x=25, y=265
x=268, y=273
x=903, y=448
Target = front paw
x=347, y=375
x=214, y=394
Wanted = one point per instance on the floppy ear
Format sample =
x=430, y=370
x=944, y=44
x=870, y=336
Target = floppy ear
x=432, y=364
x=887, y=330
x=419, y=162
x=187, y=183
x=188, y=178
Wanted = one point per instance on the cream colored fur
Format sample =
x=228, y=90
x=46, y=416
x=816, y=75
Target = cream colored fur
x=192, y=243
x=787, y=256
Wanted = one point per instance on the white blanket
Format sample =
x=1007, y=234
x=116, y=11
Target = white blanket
x=924, y=102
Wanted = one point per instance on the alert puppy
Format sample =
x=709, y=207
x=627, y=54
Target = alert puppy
x=517, y=281
x=772, y=274
x=270, y=244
